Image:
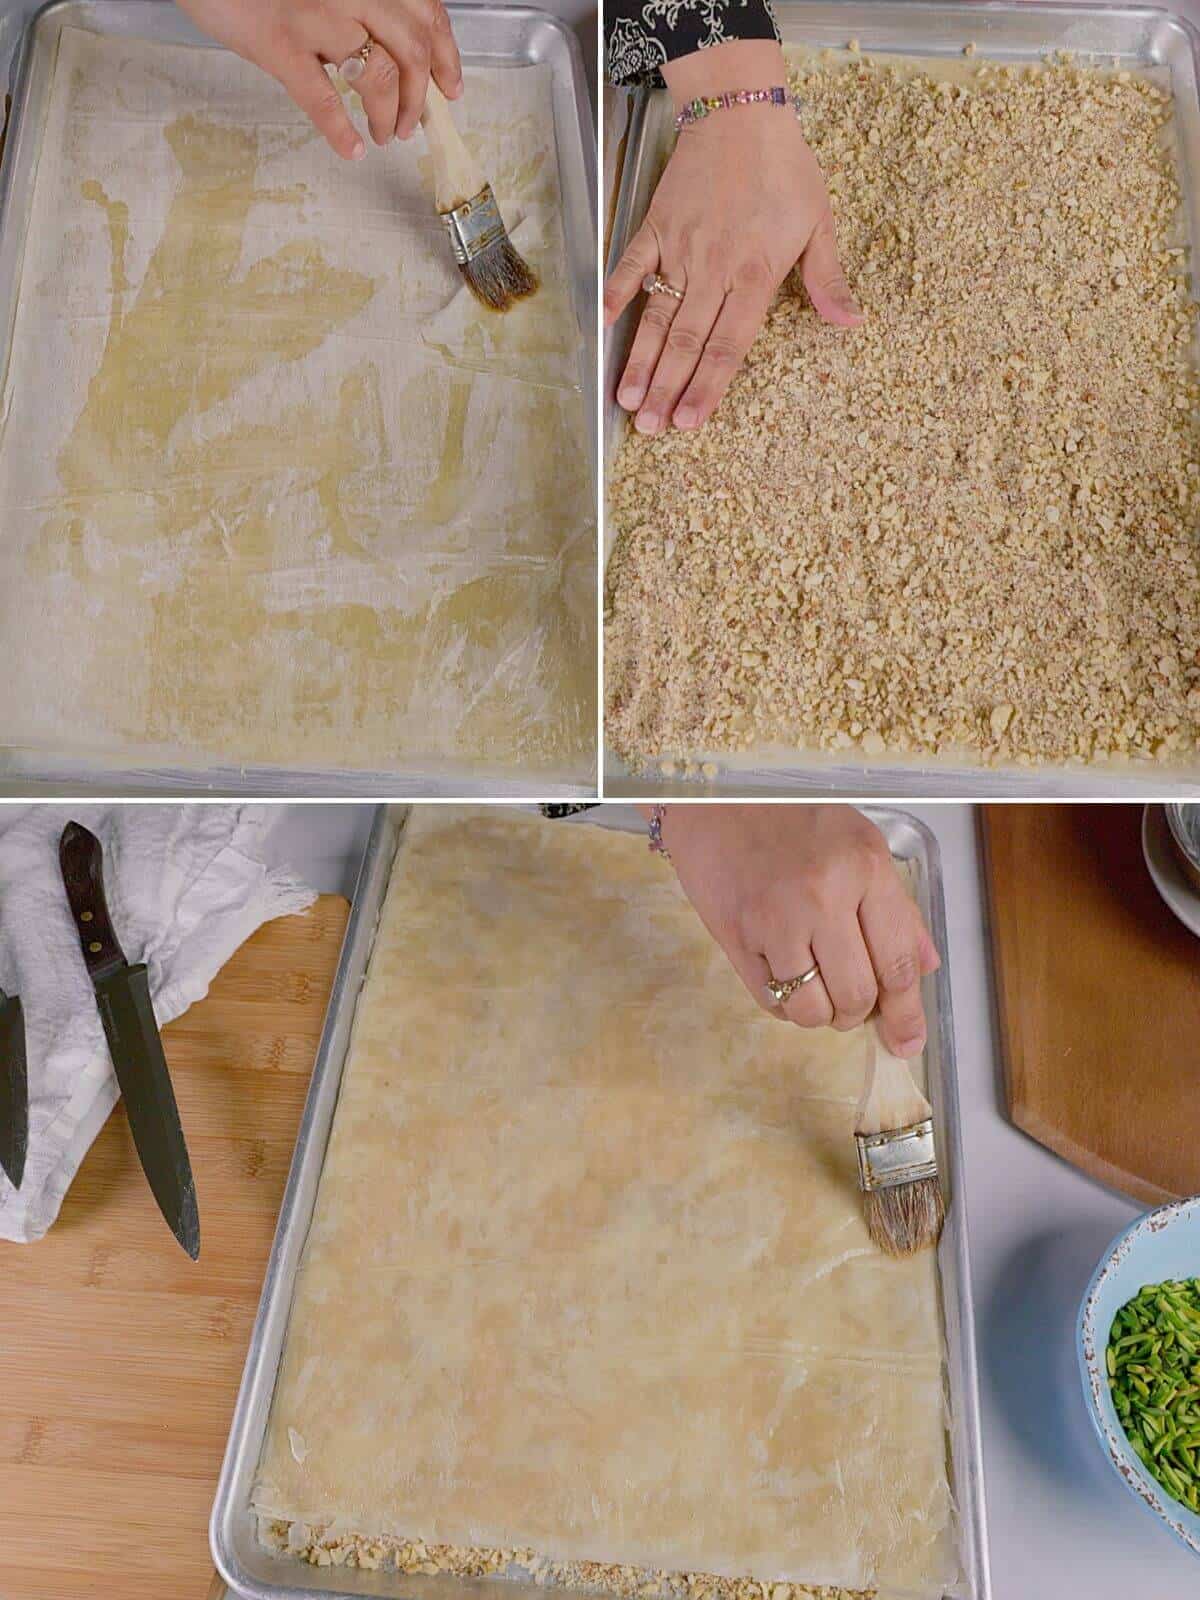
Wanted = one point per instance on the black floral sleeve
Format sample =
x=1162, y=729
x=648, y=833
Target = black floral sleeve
x=640, y=35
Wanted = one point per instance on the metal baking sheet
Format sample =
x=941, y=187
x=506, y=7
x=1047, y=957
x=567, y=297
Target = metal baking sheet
x=256, y=1573
x=488, y=36
x=1008, y=30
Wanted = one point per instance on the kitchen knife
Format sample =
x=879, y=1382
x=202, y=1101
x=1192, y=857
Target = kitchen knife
x=123, y=999
x=14, y=1089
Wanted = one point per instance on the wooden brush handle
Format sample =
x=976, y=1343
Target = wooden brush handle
x=890, y=1097
x=456, y=173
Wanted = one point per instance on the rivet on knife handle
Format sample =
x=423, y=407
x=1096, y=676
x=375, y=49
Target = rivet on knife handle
x=81, y=860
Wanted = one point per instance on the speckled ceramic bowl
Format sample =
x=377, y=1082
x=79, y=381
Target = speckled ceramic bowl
x=1184, y=823
x=1163, y=1244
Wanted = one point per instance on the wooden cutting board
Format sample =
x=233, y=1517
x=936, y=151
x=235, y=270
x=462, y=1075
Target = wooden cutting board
x=120, y=1358
x=1098, y=994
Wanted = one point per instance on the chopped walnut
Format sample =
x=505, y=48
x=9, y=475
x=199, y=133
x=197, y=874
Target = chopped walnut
x=967, y=529
x=323, y=1548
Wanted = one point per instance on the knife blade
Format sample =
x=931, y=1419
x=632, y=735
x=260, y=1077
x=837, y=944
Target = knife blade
x=123, y=999
x=14, y=1089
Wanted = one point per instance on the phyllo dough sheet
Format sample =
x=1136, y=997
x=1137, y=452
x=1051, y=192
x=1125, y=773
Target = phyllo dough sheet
x=274, y=488
x=588, y=1275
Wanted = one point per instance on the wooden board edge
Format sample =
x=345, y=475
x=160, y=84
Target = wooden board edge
x=1090, y=1164
x=1012, y=1063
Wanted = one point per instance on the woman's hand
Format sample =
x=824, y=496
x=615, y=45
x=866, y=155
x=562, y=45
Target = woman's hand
x=782, y=888
x=741, y=200
x=293, y=39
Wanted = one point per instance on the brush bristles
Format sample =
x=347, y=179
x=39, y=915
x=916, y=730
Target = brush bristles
x=499, y=276
x=905, y=1218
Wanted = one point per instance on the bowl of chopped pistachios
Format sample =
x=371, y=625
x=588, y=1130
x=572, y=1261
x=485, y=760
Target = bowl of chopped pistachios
x=1139, y=1357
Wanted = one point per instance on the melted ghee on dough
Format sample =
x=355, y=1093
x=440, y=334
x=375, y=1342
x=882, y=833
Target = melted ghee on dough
x=280, y=525
x=588, y=1272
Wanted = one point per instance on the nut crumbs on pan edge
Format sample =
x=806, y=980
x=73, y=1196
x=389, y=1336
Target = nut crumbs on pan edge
x=967, y=526
x=326, y=1549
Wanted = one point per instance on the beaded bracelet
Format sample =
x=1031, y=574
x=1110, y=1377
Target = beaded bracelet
x=697, y=110
x=657, y=847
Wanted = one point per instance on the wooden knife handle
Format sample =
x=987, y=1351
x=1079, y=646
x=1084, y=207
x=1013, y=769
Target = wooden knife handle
x=81, y=860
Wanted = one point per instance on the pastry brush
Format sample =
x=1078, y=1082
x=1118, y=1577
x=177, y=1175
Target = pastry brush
x=492, y=269
x=897, y=1164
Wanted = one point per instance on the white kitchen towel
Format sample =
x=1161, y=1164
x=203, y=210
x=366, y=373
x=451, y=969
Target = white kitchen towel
x=186, y=885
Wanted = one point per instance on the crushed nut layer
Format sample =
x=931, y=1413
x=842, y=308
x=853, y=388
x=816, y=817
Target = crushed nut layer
x=326, y=1548
x=967, y=529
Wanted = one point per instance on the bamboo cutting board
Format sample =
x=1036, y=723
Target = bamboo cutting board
x=120, y=1358
x=1098, y=994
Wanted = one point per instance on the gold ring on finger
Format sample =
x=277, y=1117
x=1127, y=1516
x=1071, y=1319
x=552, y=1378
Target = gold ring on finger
x=653, y=284
x=355, y=65
x=781, y=989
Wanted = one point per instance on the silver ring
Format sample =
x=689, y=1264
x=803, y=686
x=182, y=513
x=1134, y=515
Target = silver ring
x=781, y=988
x=653, y=284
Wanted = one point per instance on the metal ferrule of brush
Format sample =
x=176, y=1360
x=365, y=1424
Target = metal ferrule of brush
x=902, y=1155
x=474, y=225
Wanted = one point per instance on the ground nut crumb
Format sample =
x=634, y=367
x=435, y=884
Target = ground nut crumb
x=967, y=528
x=323, y=1548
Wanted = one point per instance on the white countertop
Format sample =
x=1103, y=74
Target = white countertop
x=1060, y=1524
